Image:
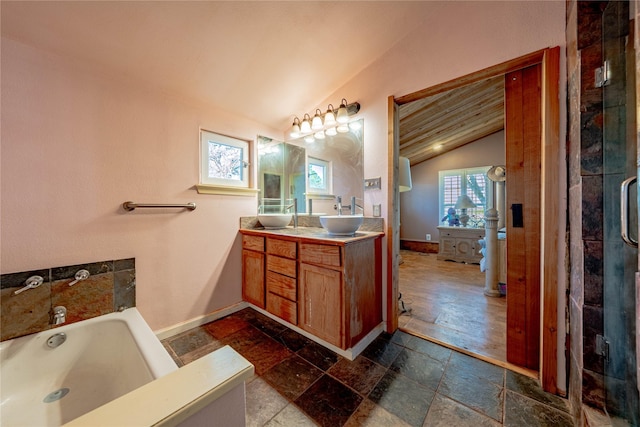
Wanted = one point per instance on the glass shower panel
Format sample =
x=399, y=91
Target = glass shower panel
x=620, y=261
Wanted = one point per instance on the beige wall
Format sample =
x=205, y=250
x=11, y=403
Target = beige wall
x=419, y=212
x=77, y=142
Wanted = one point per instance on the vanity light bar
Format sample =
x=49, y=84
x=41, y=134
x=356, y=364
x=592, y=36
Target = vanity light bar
x=325, y=123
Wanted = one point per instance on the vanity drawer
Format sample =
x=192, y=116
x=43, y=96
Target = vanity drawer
x=283, y=248
x=283, y=308
x=285, y=266
x=283, y=286
x=254, y=243
x=320, y=254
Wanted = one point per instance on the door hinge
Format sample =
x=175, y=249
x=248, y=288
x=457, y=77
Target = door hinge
x=603, y=75
x=602, y=347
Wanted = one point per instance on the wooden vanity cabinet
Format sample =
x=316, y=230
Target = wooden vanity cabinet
x=340, y=297
x=253, y=270
x=331, y=289
x=321, y=311
x=282, y=274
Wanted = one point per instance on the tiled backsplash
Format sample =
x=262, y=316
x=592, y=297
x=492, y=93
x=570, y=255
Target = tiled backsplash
x=110, y=287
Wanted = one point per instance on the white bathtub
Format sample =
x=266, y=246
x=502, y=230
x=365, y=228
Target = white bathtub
x=102, y=359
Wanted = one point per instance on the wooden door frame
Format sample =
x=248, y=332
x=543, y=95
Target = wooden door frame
x=549, y=203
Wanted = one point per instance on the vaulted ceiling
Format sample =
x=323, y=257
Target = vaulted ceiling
x=442, y=122
x=263, y=60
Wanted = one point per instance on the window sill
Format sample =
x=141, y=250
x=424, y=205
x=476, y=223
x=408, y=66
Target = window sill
x=231, y=191
x=319, y=196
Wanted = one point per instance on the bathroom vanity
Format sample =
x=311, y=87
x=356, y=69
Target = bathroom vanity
x=329, y=287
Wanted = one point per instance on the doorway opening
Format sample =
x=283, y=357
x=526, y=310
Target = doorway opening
x=530, y=347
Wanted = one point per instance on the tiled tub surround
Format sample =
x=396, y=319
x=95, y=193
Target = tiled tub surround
x=110, y=287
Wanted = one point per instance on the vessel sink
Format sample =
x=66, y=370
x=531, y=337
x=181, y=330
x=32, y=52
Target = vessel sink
x=274, y=220
x=341, y=225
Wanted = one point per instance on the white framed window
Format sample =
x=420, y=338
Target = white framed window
x=474, y=183
x=319, y=176
x=224, y=161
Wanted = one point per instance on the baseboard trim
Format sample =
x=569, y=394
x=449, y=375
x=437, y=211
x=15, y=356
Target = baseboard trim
x=199, y=321
x=427, y=247
x=349, y=354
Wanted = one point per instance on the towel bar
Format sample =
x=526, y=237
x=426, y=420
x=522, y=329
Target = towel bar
x=129, y=206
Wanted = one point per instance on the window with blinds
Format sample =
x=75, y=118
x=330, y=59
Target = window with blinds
x=473, y=182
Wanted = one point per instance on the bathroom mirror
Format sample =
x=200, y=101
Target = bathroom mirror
x=316, y=171
x=281, y=176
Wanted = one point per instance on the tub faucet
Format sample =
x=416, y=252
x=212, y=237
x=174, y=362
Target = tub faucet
x=59, y=315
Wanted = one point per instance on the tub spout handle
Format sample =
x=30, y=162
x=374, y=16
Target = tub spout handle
x=32, y=282
x=80, y=275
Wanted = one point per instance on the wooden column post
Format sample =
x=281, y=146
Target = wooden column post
x=491, y=253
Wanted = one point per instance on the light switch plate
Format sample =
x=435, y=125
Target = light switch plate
x=372, y=183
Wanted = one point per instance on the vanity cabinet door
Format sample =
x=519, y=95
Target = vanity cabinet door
x=320, y=303
x=253, y=277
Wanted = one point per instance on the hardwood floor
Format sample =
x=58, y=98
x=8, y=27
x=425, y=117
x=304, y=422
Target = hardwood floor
x=447, y=305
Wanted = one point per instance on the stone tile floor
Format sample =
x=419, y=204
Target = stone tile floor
x=399, y=380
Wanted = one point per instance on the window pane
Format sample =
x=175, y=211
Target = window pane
x=317, y=174
x=451, y=190
x=225, y=161
x=476, y=190
x=472, y=182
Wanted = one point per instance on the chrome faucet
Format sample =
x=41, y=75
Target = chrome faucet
x=294, y=205
x=339, y=205
x=59, y=315
x=354, y=205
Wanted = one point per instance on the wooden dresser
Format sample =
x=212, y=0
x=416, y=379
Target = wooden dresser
x=460, y=244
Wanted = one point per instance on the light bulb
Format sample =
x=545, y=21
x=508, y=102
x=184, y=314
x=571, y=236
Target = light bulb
x=331, y=131
x=329, y=116
x=305, y=126
x=319, y=135
x=295, y=128
x=309, y=138
x=316, y=123
x=343, y=128
x=355, y=125
x=343, y=114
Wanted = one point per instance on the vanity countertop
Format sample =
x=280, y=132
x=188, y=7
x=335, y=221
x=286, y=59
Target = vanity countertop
x=313, y=233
